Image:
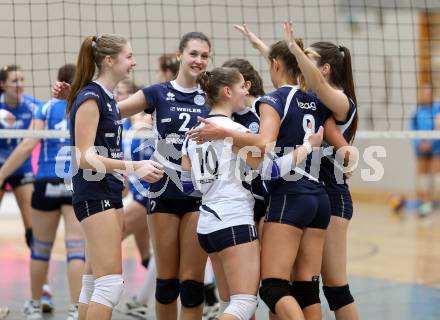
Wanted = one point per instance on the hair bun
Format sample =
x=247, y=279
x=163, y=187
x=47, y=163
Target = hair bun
x=203, y=80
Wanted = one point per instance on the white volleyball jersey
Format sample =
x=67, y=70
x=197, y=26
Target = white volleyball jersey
x=218, y=173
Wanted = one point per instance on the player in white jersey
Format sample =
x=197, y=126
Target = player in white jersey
x=226, y=204
x=226, y=228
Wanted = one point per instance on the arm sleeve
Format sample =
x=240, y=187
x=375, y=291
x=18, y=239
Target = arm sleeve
x=151, y=96
x=88, y=95
x=273, y=100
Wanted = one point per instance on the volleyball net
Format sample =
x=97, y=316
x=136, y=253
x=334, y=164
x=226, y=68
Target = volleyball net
x=395, y=44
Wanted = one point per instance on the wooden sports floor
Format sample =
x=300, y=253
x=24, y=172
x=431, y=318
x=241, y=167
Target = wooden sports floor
x=394, y=265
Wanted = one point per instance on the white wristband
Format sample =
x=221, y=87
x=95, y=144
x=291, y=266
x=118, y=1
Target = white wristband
x=308, y=147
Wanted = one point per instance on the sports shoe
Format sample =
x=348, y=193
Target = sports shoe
x=210, y=312
x=46, y=299
x=73, y=312
x=32, y=310
x=134, y=308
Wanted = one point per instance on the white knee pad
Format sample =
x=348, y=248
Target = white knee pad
x=108, y=290
x=223, y=306
x=242, y=306
x=88, y=285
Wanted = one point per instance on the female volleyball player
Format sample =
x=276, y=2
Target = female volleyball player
x=337, y=60
x=180, y=262
x=328, y=73
x=173, y=216
x=50, y=200
x=299, y=209
x=13, y=100
x=96, y=132
x=168, y=67
x=427, y=151
x=249, y=118
x=226, y=229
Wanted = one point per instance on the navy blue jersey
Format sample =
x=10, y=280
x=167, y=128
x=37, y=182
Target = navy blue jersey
x=248, y=118
x=174, y=111
x=23, y=113
x=332, y=173
x=298, y=112
x=53, y=113
x=88, y=185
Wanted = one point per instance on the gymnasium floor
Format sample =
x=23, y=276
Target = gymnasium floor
x=394, y=264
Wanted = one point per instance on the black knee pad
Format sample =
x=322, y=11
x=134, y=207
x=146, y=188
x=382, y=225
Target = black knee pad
x=272, y=290
x=306, y=293
x=192, y=293
x=338, y=297
x=167, y=290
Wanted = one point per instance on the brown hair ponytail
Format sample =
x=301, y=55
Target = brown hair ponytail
x=91, y=55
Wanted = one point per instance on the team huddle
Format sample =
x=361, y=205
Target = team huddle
x=237, y=177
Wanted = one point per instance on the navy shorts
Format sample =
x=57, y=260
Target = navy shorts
x=175, y=206
x=84, y=209
x=50, y=195
x=18, y=180
x=299, y=210
x=340, y=201
x=221, y=239
x=260, y=209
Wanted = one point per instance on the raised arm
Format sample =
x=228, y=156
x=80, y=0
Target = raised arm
x=256, y=42
x=334, y=99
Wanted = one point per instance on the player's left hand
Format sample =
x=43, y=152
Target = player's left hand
x=210, y=131
x=288, y=37
x=149, y=170
x=316, y=139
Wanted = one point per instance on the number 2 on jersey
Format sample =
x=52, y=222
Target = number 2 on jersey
x=186, y=118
